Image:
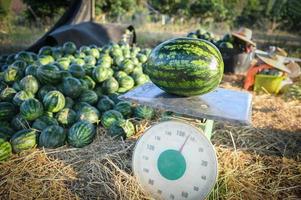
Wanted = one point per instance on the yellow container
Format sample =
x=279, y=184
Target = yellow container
x=268, y=83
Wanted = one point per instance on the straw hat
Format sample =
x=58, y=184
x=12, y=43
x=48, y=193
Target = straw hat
x=275, y=58
x=244, y=34
x=295, y=70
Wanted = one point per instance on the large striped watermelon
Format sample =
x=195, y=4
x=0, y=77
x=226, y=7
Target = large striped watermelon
x=5, y=149
x=31, y=109
x=54, y=101
x=185, y=66
x=23, y=140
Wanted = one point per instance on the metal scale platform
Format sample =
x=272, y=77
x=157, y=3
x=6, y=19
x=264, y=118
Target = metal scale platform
x=173, y=159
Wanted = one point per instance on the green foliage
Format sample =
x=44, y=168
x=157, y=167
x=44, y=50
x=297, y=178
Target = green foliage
x=114, y=8
x=4, y=7
x=45, y=8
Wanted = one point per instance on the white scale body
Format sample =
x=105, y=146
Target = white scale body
x=174, y=160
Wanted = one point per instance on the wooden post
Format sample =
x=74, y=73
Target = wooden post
x=92, y=10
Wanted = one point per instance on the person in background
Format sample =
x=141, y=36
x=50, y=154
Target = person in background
x=266, y=62
x=242, y=53
x=242, y=41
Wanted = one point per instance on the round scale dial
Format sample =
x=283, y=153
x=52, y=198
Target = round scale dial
x=174, y=160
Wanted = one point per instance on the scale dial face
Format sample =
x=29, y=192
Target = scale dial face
x=174, y=160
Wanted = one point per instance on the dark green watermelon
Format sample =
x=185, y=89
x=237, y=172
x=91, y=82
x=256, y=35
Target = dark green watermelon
x=19, y=123
x=44, y=90
x=48, y=74
x=31, y=109
x=66, y=117
x=52, y=137
x=105, y=104
x=22, y=96
x=144, y=112
x=43, y=122
x=77, y=71
x=125, y=108
x=185, y=66
x=109, y=117
x=81, y=134
x=122, y=128
x=88, y=96
x=7, y=111
x=72, y=87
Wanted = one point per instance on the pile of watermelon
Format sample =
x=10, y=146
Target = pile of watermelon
x=62, y=93
x=224, y=43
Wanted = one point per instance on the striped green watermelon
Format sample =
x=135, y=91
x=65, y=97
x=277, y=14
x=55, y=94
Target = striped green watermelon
x=72, y=87
x=77, y=71
x=88, y=113
x=100, y=74
x=185, y=66
x=52, y=137
x=87, y=80
x=22, y=96
x=81, y=134
x=31, y=109
x=88, y=96
x=125, y=108
x=105, y=103
x=7, y=94
x=122, y=128
x=110, y=86
x=19, y=123
x=23, y=140
x=30, y=84
x=5, y=150
x=43, y=122
x=11, y=74
x=109, y=117
x=44, y=90
x=54, y=101
x=31, y=70
x=66, y=117
x=49, y=74
x=144, y=112
x=6, y=132
x=7, y=111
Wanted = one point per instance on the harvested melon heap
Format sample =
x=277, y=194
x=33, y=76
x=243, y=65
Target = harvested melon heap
x=61, y=94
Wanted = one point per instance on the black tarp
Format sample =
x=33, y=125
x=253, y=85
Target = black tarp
x=77, y=25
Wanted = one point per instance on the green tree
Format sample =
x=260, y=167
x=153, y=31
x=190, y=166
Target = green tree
x=45, y=8
x=115, y=8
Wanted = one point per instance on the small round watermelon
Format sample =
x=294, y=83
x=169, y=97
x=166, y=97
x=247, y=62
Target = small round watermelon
x=125, y=108
x=88, y=113
x=109, y=117
x=5, y=150
x=122, y=128
x=66, y=117
x=7, y=111
x=23, y=140
x=52, y=137
x=88, y=96
x=54, y=101
x=105, y=104
x=31, y=109
x=43, y=122
x=144, y=112
x=30, y=84
x=81, y=134
x=22, y=96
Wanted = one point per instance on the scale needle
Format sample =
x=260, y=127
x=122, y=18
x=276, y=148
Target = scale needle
x=181, y=148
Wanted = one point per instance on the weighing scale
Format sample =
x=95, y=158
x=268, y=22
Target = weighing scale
x=173, y=159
